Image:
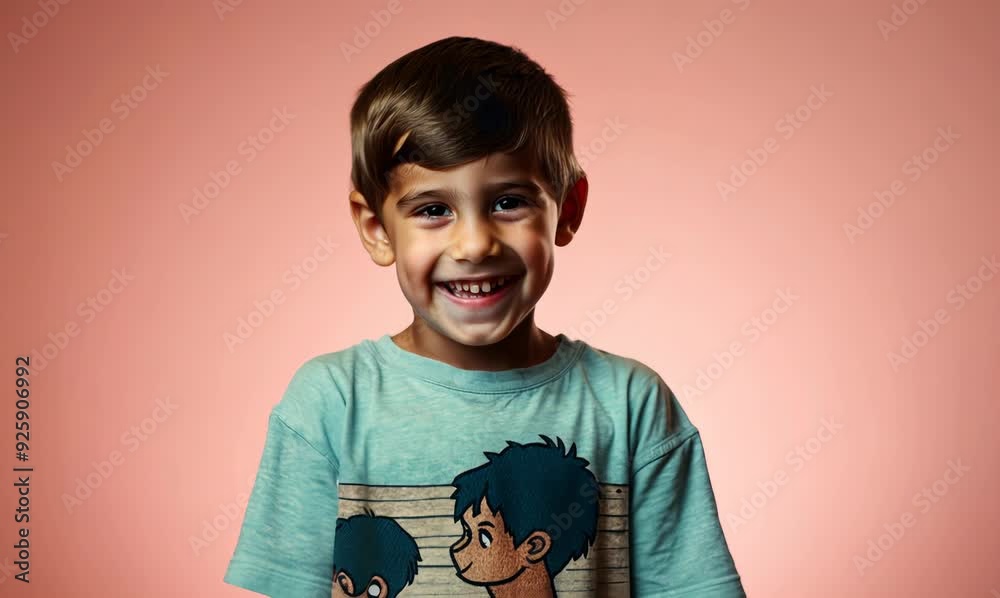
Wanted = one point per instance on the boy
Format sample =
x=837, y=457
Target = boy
x=464, y=179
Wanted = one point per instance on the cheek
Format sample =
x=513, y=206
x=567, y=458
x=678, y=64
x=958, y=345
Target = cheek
x=539, y=257
x=415, y=262
x=500, y=560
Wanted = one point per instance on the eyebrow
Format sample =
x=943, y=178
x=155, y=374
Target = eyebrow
x=415, y=195
x=486, y=524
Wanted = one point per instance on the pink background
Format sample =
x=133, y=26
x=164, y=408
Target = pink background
x=653, y=184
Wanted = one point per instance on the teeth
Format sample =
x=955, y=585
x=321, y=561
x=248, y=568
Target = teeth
x=478, y=287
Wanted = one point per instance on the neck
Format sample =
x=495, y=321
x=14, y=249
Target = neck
x=525, y=346
x=534, y=582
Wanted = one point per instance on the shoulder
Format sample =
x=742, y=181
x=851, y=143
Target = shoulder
x=325, y=382
x=621, y=371
x=651, y=405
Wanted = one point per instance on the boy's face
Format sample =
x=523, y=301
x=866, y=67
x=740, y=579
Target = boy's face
x=487, y=219
x=486, y=554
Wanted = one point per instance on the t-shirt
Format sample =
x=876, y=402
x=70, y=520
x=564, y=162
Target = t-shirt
x=388, y=473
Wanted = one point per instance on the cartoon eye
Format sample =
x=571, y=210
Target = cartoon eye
x=374, y=590
x=485, y=539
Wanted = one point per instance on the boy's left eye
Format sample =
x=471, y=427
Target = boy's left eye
x=512, y=201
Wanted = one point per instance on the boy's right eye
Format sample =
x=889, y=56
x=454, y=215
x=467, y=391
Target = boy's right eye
x=424, y=211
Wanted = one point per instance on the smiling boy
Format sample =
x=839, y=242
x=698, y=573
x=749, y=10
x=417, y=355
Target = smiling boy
x=465, y=181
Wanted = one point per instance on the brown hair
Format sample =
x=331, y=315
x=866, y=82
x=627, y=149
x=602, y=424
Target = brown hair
x=461, y=98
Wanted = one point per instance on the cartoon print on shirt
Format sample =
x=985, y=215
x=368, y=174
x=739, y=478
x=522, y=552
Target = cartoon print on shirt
x=525, y=514
x=373, y=557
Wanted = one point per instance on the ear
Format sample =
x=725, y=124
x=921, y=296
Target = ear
x=571, y=212
x=535, y=547
x=373, y=235
x=343, y=585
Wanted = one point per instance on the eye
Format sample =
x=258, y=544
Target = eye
x=424, y=212
x=511, y=201
x=485, y=539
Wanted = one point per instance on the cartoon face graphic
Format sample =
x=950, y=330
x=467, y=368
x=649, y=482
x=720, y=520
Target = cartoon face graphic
x=486, y=553
x=524, y=514
x=373, y=557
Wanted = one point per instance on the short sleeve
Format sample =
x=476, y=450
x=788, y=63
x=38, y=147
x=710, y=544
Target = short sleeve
x=285, y=546
x=677, y=545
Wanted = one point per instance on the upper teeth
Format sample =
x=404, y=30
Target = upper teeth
x=474, y=286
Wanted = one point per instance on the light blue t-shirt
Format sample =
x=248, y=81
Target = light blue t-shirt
x=388, y=473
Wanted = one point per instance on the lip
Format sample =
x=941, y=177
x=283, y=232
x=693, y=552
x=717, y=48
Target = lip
x=483, y=302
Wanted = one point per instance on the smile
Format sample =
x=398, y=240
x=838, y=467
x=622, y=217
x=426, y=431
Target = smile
x=479, y=293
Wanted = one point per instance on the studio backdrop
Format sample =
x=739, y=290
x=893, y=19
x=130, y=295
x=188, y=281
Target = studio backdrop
x=792, y=217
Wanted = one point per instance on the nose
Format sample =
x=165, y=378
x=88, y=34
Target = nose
x=474, y=239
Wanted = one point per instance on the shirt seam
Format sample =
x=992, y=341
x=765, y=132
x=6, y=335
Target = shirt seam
x=665, y=446
x=570, y=361
x=334, y=463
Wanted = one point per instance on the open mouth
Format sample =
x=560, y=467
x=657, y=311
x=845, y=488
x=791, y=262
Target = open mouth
x=479, y=289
